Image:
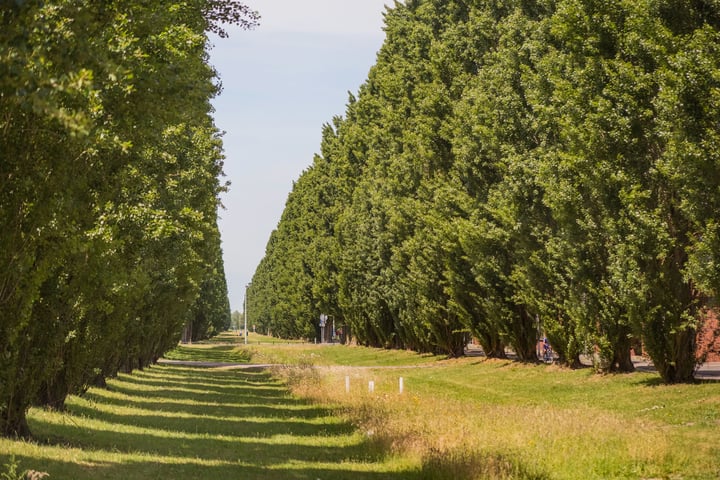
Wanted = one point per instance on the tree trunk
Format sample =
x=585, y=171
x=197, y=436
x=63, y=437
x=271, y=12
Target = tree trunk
x=492, y=345
x=523, y=335
x=682, y=370
x=53, y=393
x=622, y=359
x=457, y=347
x=674, y=355
x=100, y=381
x=13, y=420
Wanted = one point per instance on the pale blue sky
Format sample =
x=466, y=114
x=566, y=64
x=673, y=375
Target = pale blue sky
x=282, y=82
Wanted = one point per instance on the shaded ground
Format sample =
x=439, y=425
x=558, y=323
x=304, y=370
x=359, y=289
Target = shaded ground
x=207, y=364
x=171, y=421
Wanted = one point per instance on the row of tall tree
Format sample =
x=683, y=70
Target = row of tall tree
x=510, y=169
x=110, y=170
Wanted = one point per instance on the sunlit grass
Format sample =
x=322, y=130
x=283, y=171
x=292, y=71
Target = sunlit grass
x=188, y=423
x=234, y=337
x=336, y=354
x=456, y=419
x=508, y=420
x=210, y=353
x=230, y=348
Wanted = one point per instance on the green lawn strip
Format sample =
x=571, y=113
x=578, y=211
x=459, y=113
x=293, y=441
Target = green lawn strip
x=210, y=353
x=182, y=423
x=633, y=395
x=233, y=337
x=567, y=423
x=575, y=407
x=229, y=347
x=336, y=354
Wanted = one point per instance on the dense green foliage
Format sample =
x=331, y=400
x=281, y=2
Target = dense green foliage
x=512, y=168
x=109, y=184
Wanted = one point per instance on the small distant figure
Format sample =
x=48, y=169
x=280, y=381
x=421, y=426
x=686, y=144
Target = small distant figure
x=547, y=351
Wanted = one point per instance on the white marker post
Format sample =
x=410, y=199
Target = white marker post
x=347, y=384
x=402, y=385
x=371, y=386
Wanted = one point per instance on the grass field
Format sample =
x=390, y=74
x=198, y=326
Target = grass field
x=234, y=337
x=456, y=419
x=185, y=423
x=546, y=422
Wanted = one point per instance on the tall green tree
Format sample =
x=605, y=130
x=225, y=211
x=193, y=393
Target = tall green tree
x=109, y=170
x=514, y=169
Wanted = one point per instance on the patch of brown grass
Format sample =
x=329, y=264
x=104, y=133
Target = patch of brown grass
x=468, y=438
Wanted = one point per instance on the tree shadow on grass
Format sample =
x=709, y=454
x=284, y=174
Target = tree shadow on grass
x=241, y=408
x=190, y=468
x=178, y=391
x=223, y=448
x=208, y=399
x=217, y=377
x=214, y=353
x=221, y=381
x=203, y=381
x=246, y=406
x=255, y=426
x=226, y=425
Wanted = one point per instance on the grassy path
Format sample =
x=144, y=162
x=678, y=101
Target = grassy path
x=187, y=423
x=457, y=419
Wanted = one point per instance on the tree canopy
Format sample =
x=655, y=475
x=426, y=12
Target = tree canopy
x=515, y=169
x=110, y=171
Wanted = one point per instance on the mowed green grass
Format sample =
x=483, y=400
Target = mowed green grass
x=234, y=337
x=219, y=353
x=337, y=355
x=456, y=419
x=190, y=423
x=261, y=349
x=545, y=422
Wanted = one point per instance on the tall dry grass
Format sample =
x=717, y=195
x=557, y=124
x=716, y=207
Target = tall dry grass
x=468, y=438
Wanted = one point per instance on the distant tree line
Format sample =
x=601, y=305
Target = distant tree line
x=511, y=168
x=109, y=183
